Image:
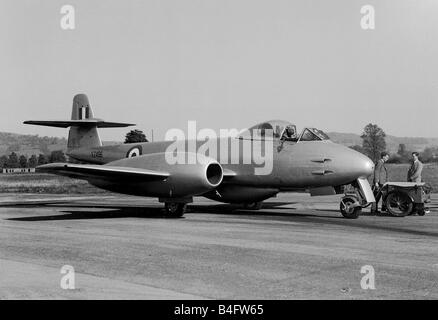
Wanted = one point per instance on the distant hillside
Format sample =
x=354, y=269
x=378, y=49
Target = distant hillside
x=32, y=144
x=29, y=144
x=392, y=143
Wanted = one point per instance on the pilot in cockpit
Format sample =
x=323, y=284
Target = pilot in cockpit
x=289, y=134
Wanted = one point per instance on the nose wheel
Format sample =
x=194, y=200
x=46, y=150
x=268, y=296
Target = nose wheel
x=350, y=207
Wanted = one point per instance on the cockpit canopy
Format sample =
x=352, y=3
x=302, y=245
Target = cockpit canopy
x=313, y=134
x=282, y=130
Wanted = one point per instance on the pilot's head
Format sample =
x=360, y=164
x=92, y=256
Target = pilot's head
x=290, y=131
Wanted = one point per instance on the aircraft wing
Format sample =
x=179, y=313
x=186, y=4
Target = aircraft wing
x=85, y=171
x=228, y=174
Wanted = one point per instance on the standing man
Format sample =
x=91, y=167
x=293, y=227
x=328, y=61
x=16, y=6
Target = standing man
x=380, y=178
x=414, y=172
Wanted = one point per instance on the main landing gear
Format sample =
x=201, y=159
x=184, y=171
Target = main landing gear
x=253, y=205
x=175, y=210
x=175, y=207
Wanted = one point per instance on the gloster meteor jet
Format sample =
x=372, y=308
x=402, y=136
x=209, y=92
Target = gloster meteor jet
x=306, y=162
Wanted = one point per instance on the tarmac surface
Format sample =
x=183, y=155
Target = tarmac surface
x=295, y=247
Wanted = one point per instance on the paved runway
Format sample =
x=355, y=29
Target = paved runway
x=295, y=247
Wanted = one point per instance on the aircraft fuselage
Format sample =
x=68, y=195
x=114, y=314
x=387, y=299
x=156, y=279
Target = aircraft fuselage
x=295, y=165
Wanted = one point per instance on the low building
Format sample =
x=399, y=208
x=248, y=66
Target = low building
x=18, y=170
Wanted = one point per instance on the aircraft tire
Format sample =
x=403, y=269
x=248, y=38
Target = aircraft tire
x=347, y=211
x=175, y=210
x=253, y=205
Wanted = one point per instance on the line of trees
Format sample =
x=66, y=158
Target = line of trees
x=22, y=161
x=373, y=143
x=14, y=160
x=403, y=155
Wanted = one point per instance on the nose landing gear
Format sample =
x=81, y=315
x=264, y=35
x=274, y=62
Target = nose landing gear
x=350, y=207
x=359, y=196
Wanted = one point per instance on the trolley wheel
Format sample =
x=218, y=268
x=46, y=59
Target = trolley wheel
x=349, y=209
x=419, y=209
x=399, y=204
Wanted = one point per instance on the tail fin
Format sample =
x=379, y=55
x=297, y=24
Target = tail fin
x=82, y=135
x=83, y=126
x=81, y=109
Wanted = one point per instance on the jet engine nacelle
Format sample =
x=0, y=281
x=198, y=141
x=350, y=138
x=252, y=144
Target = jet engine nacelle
x=196, y=175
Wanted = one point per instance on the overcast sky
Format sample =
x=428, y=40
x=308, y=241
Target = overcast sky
x=224, y=63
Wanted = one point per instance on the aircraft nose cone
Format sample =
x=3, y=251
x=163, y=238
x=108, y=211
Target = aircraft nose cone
x=361, y=165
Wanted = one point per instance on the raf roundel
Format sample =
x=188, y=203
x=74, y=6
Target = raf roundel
x=134, y=152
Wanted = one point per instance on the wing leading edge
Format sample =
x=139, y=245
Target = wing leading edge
x=81, y=171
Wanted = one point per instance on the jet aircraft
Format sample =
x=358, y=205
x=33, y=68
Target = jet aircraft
x=306, y=162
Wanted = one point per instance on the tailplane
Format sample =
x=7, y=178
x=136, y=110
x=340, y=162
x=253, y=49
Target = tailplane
x=83, y=126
